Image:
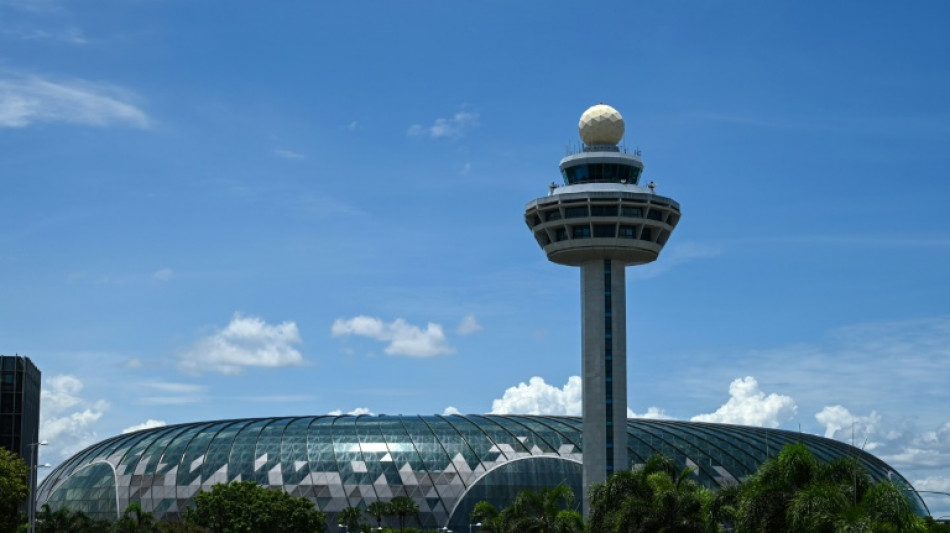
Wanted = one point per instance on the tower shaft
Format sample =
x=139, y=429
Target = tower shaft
x=604, y=347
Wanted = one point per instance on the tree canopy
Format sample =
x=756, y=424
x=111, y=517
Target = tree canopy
x=246, y=507
x=13, y=489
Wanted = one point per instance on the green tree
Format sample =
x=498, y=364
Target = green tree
x=550, y=510
x=655, y=498
x=797, y=493
x=14, y=489
x=135, y=520
x=246, y=507
x=66, y=520
x=180, y=527
x=403, y=507
x=378, y=510
x=486, y=514
x=350, y=517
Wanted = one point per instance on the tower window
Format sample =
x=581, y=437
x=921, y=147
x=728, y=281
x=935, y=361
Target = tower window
x=655, y=214
x=631, y=212
x=553, y=214
x=647, y=234
x=580, y=232
x=605, y=230
x=628, y=232
x=603, y=210
x=575, y=212
x=560, y=234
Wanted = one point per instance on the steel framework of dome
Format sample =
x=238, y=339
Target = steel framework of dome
x=446, y=464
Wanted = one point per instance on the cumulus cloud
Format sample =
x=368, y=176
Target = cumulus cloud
x=29, y=100
x=148, y=424
x=749, y=406
x=842, y=425
x=244, y=342
x=451, y=410
x=455, y=126
x=538, y=398
x=468, y=325
x=653, y=413
x=355, y=412
x=402, y=337
x=66, y=418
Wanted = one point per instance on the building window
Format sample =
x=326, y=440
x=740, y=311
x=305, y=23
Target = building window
x=647, y=234
x=575, y=212
x=605, y=230
x=628, y=232
x=560, y=234
x=631, y=212
x=580, y=232
x=655, y=214
x=603, y=210
x=553, y=214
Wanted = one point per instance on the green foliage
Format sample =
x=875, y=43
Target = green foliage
x=14, y=489
x=655, y=498
x=796, y=493
x=66, y=520
x=378, y=510
x=135, y=520
x=547, y=511
x=350, y=517
x=245, y=507
x=403, y=507
x=180, y=527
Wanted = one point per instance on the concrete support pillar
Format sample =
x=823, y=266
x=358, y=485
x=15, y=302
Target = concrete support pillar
x=604, y=346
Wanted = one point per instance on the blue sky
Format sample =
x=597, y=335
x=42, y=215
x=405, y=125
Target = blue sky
x=230, y=209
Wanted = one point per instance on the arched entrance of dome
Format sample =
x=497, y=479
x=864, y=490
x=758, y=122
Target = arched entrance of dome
x=501, y=485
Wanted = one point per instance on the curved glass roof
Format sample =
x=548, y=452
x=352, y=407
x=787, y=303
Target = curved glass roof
x=445, y=463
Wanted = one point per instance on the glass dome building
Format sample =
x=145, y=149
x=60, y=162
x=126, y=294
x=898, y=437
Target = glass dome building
x=446, y=464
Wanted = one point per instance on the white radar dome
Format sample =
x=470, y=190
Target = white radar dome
x=601, y=124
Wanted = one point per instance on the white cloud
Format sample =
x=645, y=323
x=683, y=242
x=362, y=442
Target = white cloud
x=355, y=412
x=468, y=325
x=446, y=127
x=66, y=419
x=840, y=424
x=163, y=274
x=29, y=100
x=403, y=338
x=451, y=410
x=288, y=154
x=538, y=398
x=749, y=406
x=148, y=424
x=653, y=413
x=245, y=341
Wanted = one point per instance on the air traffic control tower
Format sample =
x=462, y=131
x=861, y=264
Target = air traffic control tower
x=602, y=220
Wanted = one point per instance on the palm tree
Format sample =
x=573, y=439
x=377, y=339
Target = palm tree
x=350, y=517
x=378, y=510
x=655, y=498
x=403, y=507
x=486, y=514
x=797, y=493
x=548, y=511
x=135, y=520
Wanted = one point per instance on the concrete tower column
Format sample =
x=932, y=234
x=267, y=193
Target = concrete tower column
x=604, y=347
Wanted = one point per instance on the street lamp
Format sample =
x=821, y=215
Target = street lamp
x=476, y=524
x=345, y=527
x=33, y=466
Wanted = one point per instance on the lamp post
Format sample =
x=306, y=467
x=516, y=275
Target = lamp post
x=33, y=466
x=345, y=527
x=476, y=524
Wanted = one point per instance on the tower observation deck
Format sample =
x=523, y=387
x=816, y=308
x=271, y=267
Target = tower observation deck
x=602, y=220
